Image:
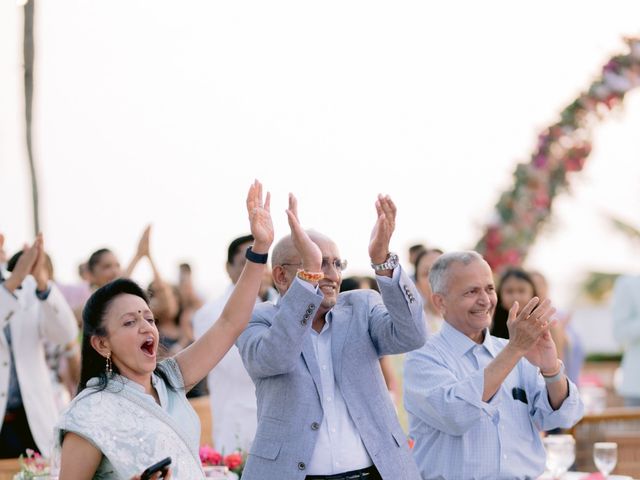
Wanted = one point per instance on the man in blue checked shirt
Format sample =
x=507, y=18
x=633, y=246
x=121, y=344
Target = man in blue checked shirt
x=476, y=403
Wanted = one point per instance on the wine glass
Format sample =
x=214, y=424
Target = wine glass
x=605, y=456
x=561, y=453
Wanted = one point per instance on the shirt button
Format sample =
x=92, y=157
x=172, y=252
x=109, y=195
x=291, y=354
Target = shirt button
x=328, y=399
x=324, y=367
x=333, y=430
x=301, y=466
x=504, y=456
x=315, y=426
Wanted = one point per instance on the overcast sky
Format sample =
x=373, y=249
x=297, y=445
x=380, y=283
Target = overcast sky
x=164, y=112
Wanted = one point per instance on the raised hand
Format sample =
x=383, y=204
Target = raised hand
x=3, y=253
x=529, y=332
x=260, y=218
x=309, y=252
x=25, y=264
x=383, y=229
x=143, y=245
x=39, y=269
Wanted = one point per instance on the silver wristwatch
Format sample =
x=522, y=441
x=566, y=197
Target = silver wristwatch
x=390, y=263
x=557, y=377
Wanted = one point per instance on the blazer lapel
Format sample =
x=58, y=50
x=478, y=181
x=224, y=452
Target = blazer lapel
x=340, y=323
x=309, y=355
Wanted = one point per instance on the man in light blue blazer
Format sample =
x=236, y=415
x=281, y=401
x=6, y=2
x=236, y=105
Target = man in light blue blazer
x=323, y=407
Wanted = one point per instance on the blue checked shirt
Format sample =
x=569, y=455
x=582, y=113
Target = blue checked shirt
x=457, y=435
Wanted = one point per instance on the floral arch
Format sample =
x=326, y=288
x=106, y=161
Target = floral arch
x=562, y=148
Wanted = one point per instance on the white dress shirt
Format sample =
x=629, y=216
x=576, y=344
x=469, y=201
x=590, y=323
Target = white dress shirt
x=339, y=447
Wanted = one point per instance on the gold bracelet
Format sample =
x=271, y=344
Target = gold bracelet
x=310, y=276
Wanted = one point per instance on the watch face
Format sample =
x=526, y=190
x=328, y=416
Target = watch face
x=392, y=261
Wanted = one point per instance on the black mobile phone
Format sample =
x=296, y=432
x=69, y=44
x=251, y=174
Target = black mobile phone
x=156, y=467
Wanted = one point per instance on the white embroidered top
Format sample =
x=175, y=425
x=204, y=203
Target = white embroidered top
x=132, y=431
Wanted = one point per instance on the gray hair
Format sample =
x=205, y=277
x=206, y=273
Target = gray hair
x=439, y=272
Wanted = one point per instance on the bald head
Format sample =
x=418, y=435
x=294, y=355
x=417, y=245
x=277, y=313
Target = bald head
x=285, y=251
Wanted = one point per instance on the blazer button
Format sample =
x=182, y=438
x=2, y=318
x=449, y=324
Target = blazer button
x=303, y=321
x=311, y=307
x=315, y=426
x=301, y=466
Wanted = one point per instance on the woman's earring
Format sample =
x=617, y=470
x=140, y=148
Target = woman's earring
x=108, y=367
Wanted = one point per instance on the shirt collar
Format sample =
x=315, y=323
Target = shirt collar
x=461, y=344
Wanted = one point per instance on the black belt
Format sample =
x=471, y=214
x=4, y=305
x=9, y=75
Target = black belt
x=369, y=473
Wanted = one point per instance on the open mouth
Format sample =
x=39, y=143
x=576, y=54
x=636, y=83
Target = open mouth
x=148, y=347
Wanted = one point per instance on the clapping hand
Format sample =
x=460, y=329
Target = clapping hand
x=143, y=245
x=24, y=265
x=383, y=229
x=308, y=250
x=39, y=269
x=529, y=333
x=260, y=218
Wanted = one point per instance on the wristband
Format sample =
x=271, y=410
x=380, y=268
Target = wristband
x=310, y=276
x=554, y=378
x=256, y=257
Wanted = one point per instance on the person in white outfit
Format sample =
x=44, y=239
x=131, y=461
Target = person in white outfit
x=32, y=311
x=626, y=330
x=231, y=391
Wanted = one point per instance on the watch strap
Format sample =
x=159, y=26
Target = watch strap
x=256, y=257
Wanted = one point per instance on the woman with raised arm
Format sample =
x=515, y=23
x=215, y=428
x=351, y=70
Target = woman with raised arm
x=132, y=411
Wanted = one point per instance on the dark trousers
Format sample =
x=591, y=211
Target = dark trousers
x=15, y=436
x=370, y=473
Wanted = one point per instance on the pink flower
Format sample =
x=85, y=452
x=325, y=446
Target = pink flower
x=210, y=456
x=233, y=460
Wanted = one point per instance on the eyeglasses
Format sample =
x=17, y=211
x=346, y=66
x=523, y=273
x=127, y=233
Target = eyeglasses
x=337, y=263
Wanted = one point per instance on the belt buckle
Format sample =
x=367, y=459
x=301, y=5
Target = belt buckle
x=357, y=476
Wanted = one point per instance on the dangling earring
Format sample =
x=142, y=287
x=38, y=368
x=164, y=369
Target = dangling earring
x=108, y=367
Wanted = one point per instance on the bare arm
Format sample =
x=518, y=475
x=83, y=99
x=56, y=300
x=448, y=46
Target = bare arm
x=142, y=251
x=80, y=458
x=201, y=356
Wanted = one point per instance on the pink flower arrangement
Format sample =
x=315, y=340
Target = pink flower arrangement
x=32, y=466
x=235, y=461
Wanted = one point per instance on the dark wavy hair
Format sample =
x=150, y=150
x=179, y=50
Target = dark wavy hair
x=501, y=314
x=93, y=320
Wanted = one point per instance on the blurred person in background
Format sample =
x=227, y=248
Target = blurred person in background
x=422, y=266
x=515, y=285
x=189, y=300
x=231, y=391
x=63, y=360
x=413, y=252
x=626, y=330
x=76, y=294
x=32, y=311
